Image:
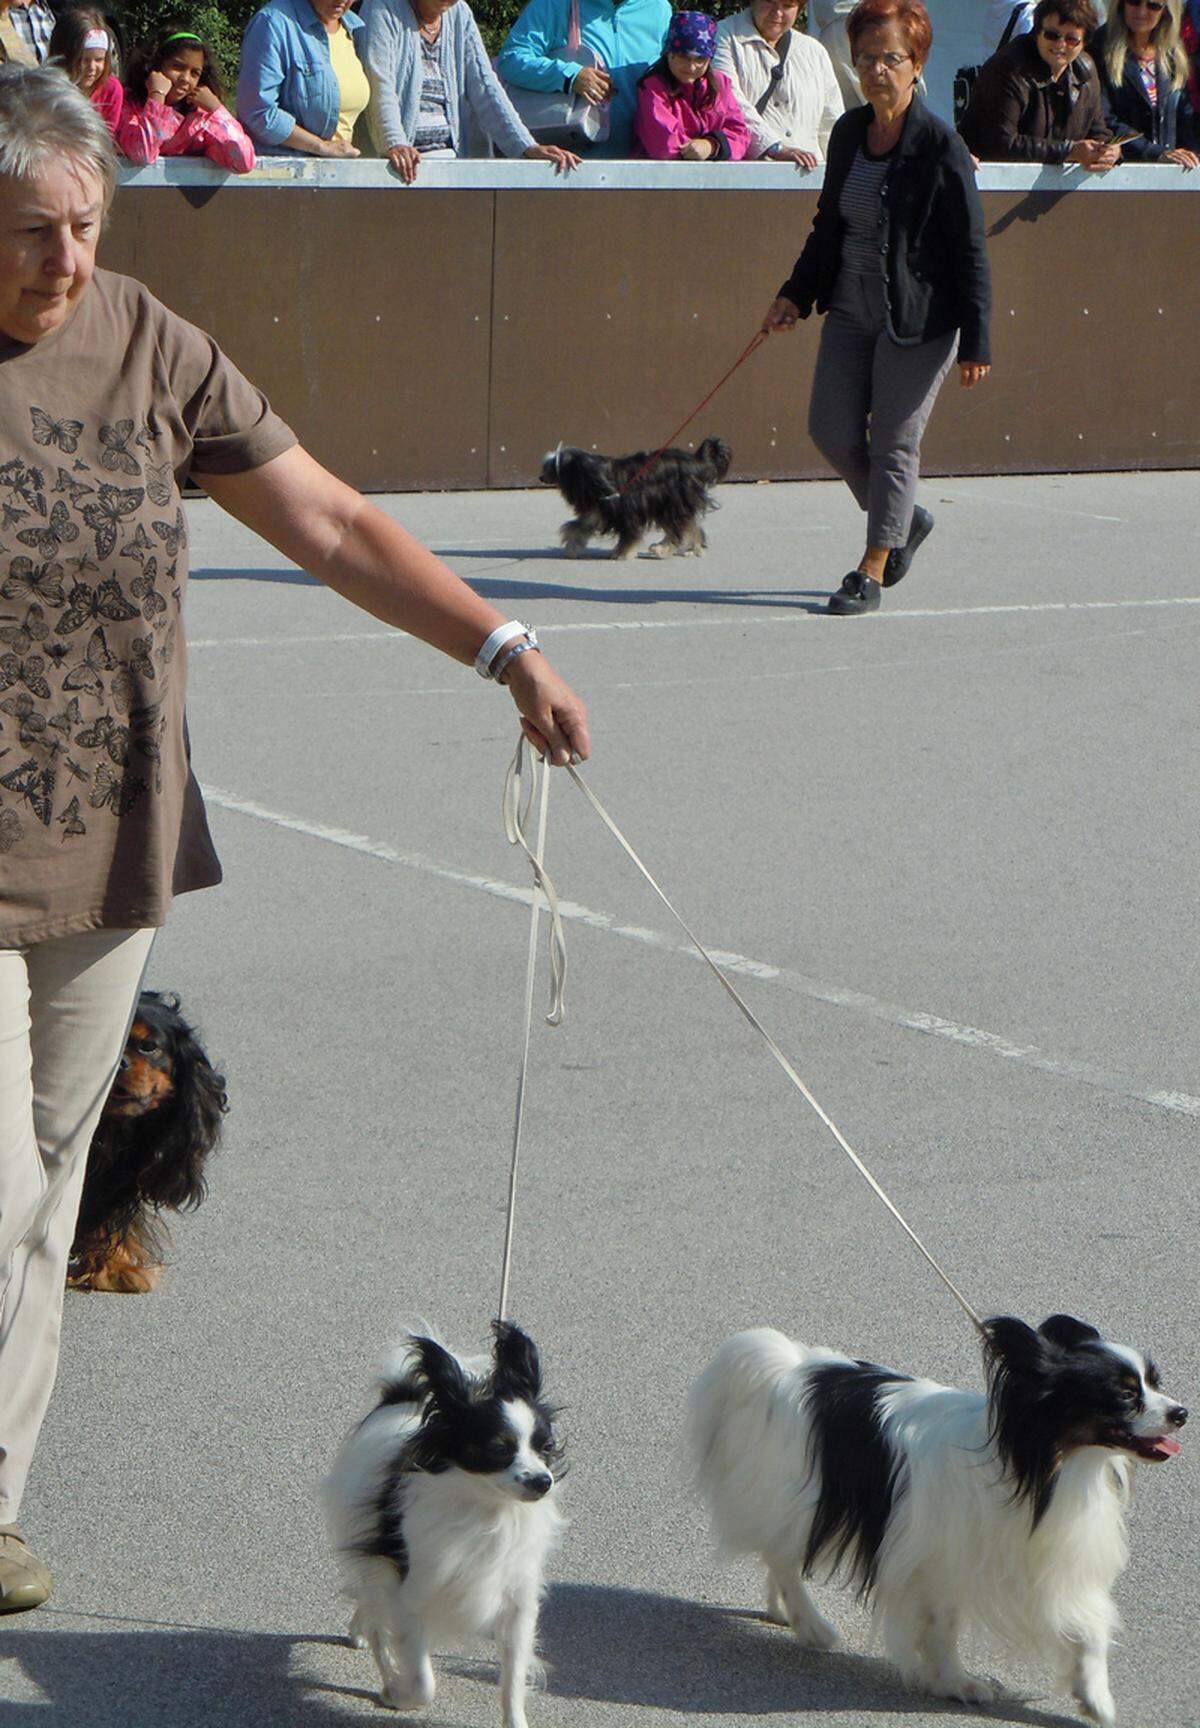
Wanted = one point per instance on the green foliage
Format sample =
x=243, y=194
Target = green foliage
x=220, y=24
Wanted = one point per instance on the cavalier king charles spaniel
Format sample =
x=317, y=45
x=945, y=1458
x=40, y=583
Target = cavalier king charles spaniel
x=160, y=1122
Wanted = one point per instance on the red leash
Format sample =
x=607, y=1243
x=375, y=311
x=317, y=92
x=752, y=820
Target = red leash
x=755, y=342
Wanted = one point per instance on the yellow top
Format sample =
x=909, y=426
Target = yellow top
x=352, y=82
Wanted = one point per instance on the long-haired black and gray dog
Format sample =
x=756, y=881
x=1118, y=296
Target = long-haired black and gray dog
x=160, y=1122
x=629, y=495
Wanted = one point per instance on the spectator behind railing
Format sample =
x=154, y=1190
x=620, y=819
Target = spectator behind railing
x=783, y=79
x=1038, y=99
x=827, y=18
x=1143, y=81
x=687, y=111
x=302, y=84
x=626, y=36
x=82, y=45
x=1190, y=36
x=25, y=32
x=430, y=80
x=174, y=106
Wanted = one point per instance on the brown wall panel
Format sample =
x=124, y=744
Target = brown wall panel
x=642, y=301
x=1096, y=364
x=447, y=338
x=363, y=315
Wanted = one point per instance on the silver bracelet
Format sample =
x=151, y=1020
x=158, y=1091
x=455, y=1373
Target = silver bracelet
x=510, y=654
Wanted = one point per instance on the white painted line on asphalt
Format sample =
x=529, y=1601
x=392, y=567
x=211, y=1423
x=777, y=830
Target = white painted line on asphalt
x=792, y=616
x=912, y=1020
x=1033, y=504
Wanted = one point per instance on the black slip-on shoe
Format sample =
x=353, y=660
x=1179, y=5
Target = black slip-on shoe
x=858, y=593
x=900, y=557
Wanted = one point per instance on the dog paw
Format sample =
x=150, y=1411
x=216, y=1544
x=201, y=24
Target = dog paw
x=816, y=1634
x=1097, y=1706
x=405, y=1696
x=660, y=549
x=968, y=1689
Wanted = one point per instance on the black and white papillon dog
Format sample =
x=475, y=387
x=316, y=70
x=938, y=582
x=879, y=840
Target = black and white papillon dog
x=442, y=1507
x=629, y=495
x=1003, y=1511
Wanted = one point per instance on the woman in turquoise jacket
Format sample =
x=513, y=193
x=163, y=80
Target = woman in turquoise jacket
x=626, y=37
x=301, y=85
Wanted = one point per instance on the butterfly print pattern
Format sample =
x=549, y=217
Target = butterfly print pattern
x=86, y=636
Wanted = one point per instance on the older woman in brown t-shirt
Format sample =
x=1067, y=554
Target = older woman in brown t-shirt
x=107, y=402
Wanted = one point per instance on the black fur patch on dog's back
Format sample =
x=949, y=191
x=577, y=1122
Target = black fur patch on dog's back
x=858, y=1469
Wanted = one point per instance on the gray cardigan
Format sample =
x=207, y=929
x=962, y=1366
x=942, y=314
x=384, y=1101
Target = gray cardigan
x=393, y=61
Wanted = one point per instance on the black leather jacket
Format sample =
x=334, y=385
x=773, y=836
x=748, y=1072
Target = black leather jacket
x=936, y=275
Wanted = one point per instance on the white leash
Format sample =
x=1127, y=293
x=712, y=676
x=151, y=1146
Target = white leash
x=778, y=1054
x=517, y=804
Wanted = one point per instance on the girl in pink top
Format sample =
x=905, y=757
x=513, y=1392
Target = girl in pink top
x=687, y=112
x=80, y=43
x=174, y=107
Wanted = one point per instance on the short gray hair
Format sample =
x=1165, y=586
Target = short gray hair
x=45, y=120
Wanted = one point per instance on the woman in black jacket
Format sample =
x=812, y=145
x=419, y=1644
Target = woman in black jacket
x=897, y=260
x=1143, y=69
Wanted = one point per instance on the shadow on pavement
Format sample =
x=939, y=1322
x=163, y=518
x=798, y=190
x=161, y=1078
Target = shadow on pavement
x=299, y=578
x=634, y=1647
x=166, y=1677
x=802, y=600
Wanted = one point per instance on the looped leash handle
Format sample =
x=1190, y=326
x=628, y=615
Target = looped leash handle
x=520, y=790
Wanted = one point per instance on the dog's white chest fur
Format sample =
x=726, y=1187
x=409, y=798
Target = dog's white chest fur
x=468, y=1561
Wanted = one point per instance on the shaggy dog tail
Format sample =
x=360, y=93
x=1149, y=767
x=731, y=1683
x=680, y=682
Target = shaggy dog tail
x=716, y=455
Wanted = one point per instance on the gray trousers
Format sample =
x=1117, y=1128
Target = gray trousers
x=66, y=1005
x=870, y=401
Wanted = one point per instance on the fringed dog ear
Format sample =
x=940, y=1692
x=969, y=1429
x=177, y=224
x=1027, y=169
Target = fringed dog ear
x=441, y=1373
x=517, y=1373
x=1014, y=1350
x=1070, y=1333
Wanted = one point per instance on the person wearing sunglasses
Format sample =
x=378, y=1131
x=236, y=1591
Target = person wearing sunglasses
x=1038, y=98
x=897, y=262
x=1143, y=69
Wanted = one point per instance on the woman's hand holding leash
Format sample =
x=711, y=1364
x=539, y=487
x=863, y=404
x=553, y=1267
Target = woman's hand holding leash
x=781, y=315
x=552, y=717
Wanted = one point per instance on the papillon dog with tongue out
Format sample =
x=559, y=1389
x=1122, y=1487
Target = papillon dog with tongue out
x=1002, y=1512
x=442, y=1507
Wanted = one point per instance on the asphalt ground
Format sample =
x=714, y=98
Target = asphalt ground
x=952, y=848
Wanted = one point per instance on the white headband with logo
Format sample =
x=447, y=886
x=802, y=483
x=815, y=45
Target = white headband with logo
x=96, y=39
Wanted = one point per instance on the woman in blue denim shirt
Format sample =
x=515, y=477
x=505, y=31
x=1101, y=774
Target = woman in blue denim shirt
x=302, y=86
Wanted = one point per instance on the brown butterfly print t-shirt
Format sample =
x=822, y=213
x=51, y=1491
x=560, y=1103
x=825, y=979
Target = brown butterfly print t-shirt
x=101, y=819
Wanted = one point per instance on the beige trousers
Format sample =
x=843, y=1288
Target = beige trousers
x=66, y=1006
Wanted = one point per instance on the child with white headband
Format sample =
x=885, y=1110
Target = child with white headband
x=82, y=45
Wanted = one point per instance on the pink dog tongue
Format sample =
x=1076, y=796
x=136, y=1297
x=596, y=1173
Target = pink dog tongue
x=1167, y=1447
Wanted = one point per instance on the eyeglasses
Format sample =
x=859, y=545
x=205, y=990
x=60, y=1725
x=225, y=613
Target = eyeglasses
x=889, y=62
x=1148, y=5
x=1067, y=41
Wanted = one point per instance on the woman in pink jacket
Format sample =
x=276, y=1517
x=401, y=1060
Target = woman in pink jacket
x=174, y=107
x=687, y=112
